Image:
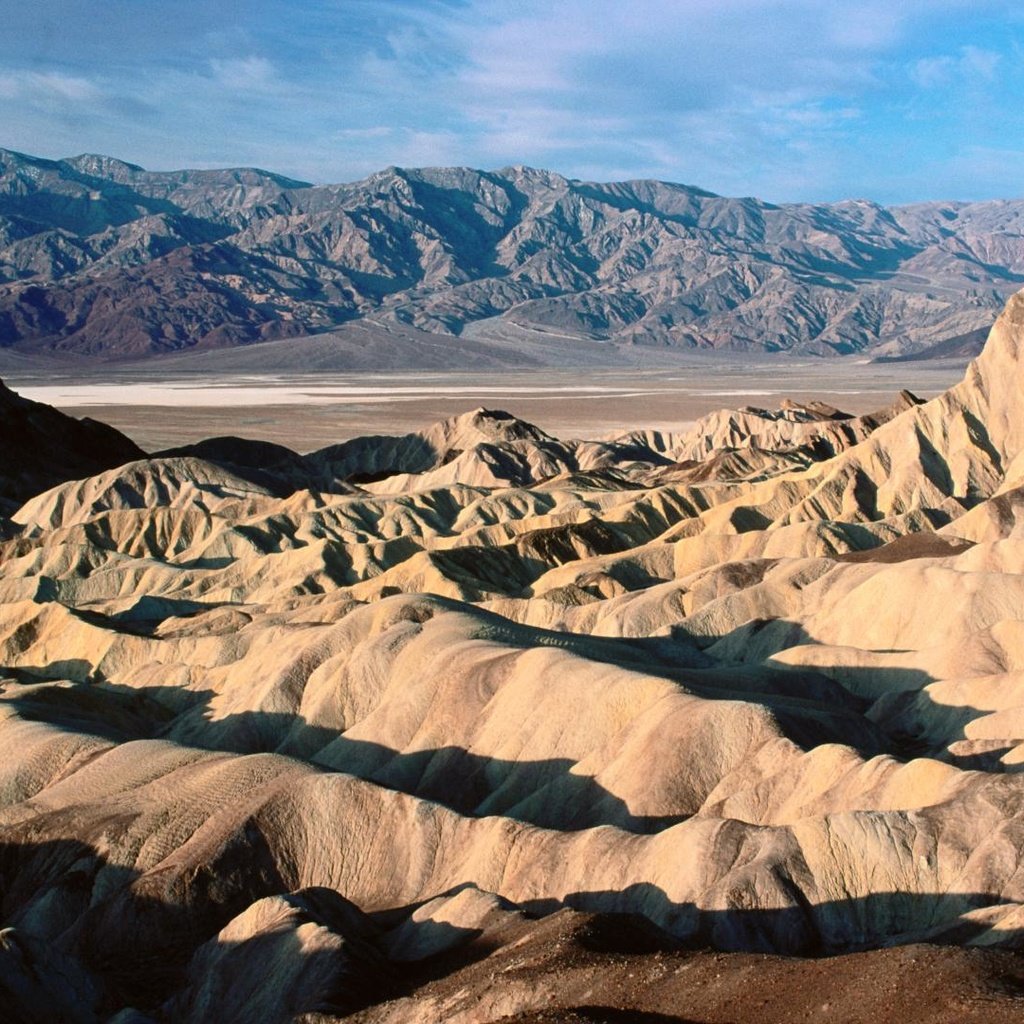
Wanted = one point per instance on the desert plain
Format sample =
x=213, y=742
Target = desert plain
x=163, y=403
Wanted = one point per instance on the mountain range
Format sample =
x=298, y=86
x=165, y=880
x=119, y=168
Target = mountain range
x=99, y=257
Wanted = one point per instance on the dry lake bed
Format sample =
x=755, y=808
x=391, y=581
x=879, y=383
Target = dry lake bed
x=307, y=411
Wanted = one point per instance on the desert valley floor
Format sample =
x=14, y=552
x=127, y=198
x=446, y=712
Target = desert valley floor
x=167, y=402
x=480, y=721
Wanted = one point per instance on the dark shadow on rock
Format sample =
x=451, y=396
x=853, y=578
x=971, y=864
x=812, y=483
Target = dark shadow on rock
x=272, y=466
x=800, y=929
x=75, y=669
x=542, y=792
x=366, y=459
x=136, y=935
x=81, y=939
x=907, y=548
x=335, y=965
x=139, y=936
x=73, y=448
x=91, y=709
x=810, y=707
x=146, y=615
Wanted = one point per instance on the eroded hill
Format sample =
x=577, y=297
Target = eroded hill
x=358, y=732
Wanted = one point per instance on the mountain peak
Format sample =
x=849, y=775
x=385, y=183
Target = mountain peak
x=103, y=166
x=524, y=172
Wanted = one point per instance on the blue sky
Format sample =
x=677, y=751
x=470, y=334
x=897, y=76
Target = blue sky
x=783, y=99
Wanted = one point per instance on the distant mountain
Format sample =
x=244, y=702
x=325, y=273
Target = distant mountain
x=961, y=347
x=102, y=257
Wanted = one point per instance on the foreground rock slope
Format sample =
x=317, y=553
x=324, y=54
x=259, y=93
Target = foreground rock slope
x=360, y=731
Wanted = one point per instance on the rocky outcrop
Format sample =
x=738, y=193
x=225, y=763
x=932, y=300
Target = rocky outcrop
x=43, y=447
x=359, y=748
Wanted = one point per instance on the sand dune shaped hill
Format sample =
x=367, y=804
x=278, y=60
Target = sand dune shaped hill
x=351, y=734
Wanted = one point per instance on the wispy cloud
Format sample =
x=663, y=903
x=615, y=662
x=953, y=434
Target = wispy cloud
x=969, y=63
x=245, y=74
x=980, y=62
x=48, y=85
x=783, y=98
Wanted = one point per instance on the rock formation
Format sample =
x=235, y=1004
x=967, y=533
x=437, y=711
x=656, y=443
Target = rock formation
x=42, y=447
x=355, y=733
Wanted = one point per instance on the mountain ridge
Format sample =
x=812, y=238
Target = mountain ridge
x=102, y=258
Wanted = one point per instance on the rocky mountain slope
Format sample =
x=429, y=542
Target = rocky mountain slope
x=43, y=447
x=103, y=258
x=479, y=724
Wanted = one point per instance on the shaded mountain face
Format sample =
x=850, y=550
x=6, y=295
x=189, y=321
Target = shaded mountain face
x=43, y=447
x=99, y=256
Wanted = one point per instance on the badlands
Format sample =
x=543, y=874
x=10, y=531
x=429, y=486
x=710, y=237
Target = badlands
x=476, y=724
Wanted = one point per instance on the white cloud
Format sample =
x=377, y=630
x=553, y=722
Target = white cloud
x=865, y=26
x=379, y=146
x=552, y=75
x=378, y=131
x=971, y=64
x=707, y=90
x=980, y=62
x=783, y=98
x=931, y=72
x=48, y=85
x=245, y=74
x=428, y=149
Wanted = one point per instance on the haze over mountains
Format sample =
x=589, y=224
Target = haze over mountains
x=397, y=730
x=101, y=258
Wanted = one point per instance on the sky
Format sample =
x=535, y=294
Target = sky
x=787, y=100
